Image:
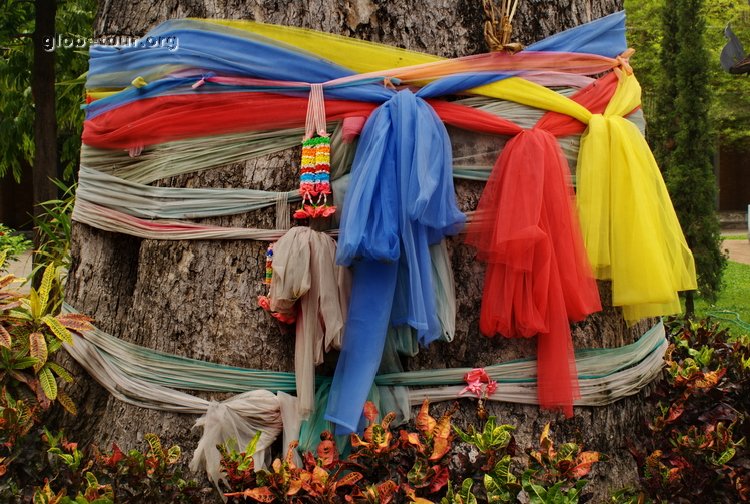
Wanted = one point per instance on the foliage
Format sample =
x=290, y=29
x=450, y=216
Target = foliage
x=413, y=467
x=697, y=447
x=730, y=107
x=74, y=19
x=30, y=334
x=13, y=242
x=53, y=225
x=31, y=331
x=150, y=476
x=688, y=146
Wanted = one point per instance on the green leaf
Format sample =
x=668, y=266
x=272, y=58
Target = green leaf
x=725, y=457
x=60, y=371
x=46, y=286
x=91, y=480
x=465, y=493
x=24, y=363
x=34, y=304
x=57, y=329
x=418, y=473
x=496, y=491
x=173, y=455
x=250, y=448
x=49, y=384
x=537, y=493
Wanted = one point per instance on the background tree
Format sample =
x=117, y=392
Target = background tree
x=197, y=298
x=41, y=90
x=685, y=140
x=729, y=109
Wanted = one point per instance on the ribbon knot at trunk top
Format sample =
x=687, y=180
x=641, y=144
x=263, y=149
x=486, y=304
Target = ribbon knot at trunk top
x=537, y=277
x=400, y=201
x=630, y=229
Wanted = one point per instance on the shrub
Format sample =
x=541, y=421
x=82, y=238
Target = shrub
x=697, y=451
x=12, y=242
x=415, y=466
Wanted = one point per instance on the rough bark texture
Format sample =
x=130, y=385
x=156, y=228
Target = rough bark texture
x=198, y=298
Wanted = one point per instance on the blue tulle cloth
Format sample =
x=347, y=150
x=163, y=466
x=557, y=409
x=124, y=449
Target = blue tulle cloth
x=400, y=201
x=205, y=50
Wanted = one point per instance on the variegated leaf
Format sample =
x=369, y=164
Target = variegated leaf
x=75, y=321
x=5, y=339
x=48, y=383
x=349, y=479
x=173, y=455
x=60, y=371
x=6, y=280
x=38, y=349
x=425, y=422
x=67, y=403
x=57, y=329
x=260, y=494
x=45, y=288
x=155, y=446
x=10, y=306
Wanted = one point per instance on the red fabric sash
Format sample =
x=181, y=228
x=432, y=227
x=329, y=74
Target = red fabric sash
x=538, y=278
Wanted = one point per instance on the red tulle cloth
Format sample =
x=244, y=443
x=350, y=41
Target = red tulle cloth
x=538, y=278
x=176, y=117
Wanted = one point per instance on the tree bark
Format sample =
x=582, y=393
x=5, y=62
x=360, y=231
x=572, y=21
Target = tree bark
x=45, y=121
x=198, y=298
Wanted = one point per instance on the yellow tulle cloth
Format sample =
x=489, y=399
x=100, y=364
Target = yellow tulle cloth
x=629, y=225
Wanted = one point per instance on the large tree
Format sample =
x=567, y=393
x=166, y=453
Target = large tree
x=198, y=298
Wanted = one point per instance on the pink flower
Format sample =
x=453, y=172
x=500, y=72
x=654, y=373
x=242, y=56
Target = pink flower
x=477, y=374
x=491, y=388
x=474, y=387
x=479, y=383
x=286, y=319
x=324, y=211
x=264, y=303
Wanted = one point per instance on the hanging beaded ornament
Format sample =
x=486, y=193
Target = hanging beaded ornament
x=263, y=301
x=315, y=166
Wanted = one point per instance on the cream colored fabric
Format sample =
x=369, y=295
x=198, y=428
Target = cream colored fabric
x=307, y=283
x=238, y=418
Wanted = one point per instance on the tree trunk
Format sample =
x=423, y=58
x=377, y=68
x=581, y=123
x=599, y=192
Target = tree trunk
x=45, y=121
x=198, y=298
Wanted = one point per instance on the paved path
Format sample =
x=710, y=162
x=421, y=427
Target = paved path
x=21, y=267
x=739, y=250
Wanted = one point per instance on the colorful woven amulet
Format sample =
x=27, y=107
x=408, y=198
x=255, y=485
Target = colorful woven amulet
x=315, y=178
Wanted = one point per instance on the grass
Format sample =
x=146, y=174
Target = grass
x=735, y=237
x=733, y=301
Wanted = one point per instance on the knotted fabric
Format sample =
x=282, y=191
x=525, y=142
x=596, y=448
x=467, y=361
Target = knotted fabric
x=400, y=201
x=307, y=284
